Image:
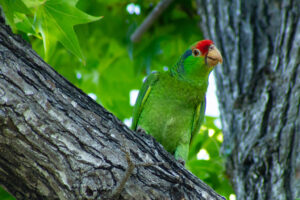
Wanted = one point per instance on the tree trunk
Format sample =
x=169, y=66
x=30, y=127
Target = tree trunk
x=57, y=143
x=259, y=93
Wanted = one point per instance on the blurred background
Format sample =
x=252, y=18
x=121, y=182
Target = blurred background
x=96, y=54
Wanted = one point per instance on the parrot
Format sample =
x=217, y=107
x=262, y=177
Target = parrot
x=171, y=104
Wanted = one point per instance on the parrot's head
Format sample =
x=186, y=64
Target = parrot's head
x=198, y=61
x=206, y=50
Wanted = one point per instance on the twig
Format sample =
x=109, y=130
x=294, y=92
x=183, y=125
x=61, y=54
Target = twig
x=155, y=13
x=131, y=166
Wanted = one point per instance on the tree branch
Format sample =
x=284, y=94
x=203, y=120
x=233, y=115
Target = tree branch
x=155, y=13
x=258, y=85
x=57, y=143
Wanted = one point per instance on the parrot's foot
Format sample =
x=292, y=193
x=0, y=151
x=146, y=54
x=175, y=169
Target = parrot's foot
x=181, y=161
x=181, y=153
x=140, y=130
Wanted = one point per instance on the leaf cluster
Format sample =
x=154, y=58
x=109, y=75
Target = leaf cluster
x=211, y=169
x=5, y=195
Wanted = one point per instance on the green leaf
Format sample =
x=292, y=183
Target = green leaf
x=5, y=195
x=224, y=187
x=12, y=6
x=33, y=3
x=25, y=24
x=15, y=6
x=55, y=20
x=204, y=169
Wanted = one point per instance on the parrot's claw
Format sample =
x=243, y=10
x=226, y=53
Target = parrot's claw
x=140, y=130
x=181, y=161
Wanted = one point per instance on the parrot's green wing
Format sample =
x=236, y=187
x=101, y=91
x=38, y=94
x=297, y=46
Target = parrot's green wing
x=198, y=118
x=142, y=98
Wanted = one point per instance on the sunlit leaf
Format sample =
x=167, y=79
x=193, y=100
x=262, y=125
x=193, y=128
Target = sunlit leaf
x=55, y=20
x=25, y=24
x=10, y=7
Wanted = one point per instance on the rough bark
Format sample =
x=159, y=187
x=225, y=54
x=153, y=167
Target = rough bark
x=259, y=93
x=57, y=143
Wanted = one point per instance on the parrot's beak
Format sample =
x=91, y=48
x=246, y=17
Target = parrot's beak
x=213, y=56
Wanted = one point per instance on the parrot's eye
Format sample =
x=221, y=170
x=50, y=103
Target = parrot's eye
x=196, y=52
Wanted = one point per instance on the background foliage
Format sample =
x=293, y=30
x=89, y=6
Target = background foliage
x=100, y=59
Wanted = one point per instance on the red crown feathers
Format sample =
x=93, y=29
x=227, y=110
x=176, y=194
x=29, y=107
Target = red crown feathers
x=203, y=46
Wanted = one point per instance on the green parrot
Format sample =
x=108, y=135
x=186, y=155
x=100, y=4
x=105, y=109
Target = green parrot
x=171, y=105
